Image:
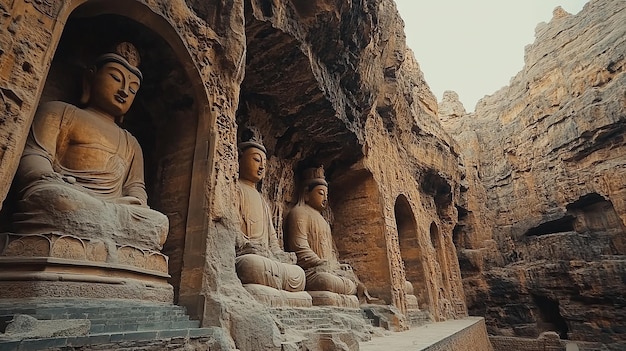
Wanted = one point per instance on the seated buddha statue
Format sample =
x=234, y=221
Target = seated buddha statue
x=309, y=235
x=80, y=173
x=261, y=263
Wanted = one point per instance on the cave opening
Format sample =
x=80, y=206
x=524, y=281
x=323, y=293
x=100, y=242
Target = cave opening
x=550, y=318
x=560, y=225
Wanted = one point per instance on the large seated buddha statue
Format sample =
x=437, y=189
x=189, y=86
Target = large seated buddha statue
x=265, y=270
x=80, y=173
x=81, y=225
x=308, y=234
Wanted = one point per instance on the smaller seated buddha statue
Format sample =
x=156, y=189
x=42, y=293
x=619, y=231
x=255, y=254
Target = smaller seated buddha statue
x=80, y=173
x=411, y=299
x=265, y=270
x=309, y=235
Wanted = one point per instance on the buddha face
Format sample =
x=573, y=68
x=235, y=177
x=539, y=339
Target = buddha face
x=317, y=197
x=113, y=89
x=252, y=165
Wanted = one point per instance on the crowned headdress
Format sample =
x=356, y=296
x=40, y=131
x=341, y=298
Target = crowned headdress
x=255, y=142
x=125, y=54
x=312, y=177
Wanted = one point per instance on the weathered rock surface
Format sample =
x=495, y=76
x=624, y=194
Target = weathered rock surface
x=324, y=83
x=26, y=327
x=541, y=234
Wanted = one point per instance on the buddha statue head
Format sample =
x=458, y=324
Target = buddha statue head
x=252, y=161
x=111, y=84
x=314, y=188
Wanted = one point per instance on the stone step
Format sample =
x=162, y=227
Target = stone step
x=298, y=324
x=110, y=310
x=307, y=321
x=95, y=309
x=77, y=314
x=104, y=338
x=120, y=322
x=114, y=326
x=418, y=317
x=112, y=322
x=304, y=314
x=139, y=318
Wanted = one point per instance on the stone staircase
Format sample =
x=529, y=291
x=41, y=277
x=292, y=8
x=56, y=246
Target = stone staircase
x=98, y=322
x=419, y=317
x=323, y=318
x=324, y=328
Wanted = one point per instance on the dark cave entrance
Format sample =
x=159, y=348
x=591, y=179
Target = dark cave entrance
x=550, y=318
x=561, y=225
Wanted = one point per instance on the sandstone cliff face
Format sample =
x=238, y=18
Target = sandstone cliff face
x=335, y=85
x=323, y=83
x=542, y=235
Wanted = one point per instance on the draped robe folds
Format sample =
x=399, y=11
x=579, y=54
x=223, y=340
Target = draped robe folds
x=106, y=163
x=264, y=266
x=309, y=236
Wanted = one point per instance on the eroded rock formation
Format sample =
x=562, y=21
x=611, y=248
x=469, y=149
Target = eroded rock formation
x=541, y=233
x=326, y=84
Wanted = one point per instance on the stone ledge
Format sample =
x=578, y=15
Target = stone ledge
x=327, y=298
x=278, y=298
x=124, y=289
x=468, y=334
x=162, y=337
x=60, y=265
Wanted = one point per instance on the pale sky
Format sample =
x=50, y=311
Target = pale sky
x=474, y=47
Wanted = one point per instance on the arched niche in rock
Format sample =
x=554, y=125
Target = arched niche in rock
x=411, y=250
x=438, y=243
x=282, y=102
x=359, y=230
x=169, y=116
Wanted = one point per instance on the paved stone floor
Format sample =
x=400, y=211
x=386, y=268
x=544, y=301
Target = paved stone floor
x=418, y=338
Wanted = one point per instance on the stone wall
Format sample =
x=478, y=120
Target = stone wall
x=473, y=338
x=541, y=224
x=329, y=84
x=548, y=341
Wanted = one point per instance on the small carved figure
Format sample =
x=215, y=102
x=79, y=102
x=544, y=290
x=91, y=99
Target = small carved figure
x=260, y=259
x=80, y=173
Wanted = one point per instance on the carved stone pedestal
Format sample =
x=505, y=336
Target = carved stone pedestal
x=327, y=298
x=278, y=298
x=64, y=266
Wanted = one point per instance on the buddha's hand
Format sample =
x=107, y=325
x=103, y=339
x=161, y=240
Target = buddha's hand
x=322, y=266
x=69, y=179
x=63, y=179
x=54, y=177
x=345, y=267
x=128, y=200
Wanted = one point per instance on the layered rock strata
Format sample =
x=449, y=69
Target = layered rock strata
x=541, y=233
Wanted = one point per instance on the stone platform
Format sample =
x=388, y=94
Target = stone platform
x=468, y=334
x=73, y=324
x=53, y=265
